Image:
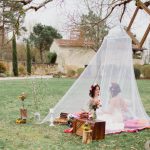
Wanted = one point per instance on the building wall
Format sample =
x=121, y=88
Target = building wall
x=146, y=56
x=138, y=61
x=72, y=57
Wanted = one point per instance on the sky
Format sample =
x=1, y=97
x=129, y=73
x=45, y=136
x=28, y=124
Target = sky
x=59, y=16
x=54, y=14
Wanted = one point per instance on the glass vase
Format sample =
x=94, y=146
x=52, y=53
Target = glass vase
x=94, y=115
x=37, y=117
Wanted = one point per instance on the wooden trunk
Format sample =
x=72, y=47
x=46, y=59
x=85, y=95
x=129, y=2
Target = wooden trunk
x=97, y=127
x=23, y=113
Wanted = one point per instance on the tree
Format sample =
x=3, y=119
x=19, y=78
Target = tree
x=14, y=50
x=94, y=33
x=28, y=58
x=12, y=15
x=20, y=7
x=12, y=12
x=42, y=37
x=104, y=8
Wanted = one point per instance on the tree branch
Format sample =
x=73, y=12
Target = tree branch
x=27, y=2
x=119, y=4
x=39, y=6
x=113, y=5
x=24, y=2
x=124, y=8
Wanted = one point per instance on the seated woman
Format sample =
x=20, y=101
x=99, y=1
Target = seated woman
x=94, y=94
x=93, y=104
x=114, y=114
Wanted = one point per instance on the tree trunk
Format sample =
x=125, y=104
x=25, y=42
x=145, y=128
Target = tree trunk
x=3, y=36
x=41, y=55
x=28, y=59
x=15, y=61
x=3, y=28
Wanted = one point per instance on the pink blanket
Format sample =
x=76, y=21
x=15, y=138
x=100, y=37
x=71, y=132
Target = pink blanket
x=136, y=123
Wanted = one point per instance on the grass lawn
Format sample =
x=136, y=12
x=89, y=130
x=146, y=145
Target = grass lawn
x=42, y=137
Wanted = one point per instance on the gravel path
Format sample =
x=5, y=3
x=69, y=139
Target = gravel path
x=27, y=77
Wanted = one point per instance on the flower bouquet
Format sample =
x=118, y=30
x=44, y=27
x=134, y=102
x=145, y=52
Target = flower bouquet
x=23, y=110
x=94, y=104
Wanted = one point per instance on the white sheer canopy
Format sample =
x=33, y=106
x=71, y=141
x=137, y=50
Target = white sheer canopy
x=111, y=64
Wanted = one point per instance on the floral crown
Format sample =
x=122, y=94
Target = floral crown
x=94, y=85
x=92, y=88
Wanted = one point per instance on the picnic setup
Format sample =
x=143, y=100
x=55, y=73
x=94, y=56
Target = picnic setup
x=106, y=74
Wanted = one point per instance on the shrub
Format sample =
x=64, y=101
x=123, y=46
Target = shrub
x=138, y=66
x=58, y=75
x=2, y=68
x=3, y=75
x=71, y=73
x=79, y=71
x=22, y=70
x=137, y=73
x=146, y=71
x=52, y=58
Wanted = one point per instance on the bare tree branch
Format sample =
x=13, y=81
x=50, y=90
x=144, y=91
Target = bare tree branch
x=39, y=6
x=124, y=8
x=24, y=2
x=29, y=2
x=113, y=5
x=112, y=9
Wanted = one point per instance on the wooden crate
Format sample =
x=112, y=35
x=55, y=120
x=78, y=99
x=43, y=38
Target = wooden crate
x=97, y=127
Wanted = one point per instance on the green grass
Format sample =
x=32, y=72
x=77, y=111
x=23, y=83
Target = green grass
x=42, y=137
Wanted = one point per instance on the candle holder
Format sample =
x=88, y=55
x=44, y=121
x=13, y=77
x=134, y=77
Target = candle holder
x=37, y=117
x=51, y=111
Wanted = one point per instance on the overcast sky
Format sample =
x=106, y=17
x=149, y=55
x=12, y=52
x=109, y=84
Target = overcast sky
x=58, y=16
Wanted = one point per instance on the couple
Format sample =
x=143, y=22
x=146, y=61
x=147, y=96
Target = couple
x=114, y=115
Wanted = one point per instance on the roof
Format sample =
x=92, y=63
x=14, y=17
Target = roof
x=74, y=43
